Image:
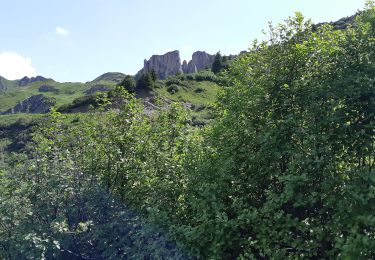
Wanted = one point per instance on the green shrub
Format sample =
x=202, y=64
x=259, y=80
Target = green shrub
x=146, y=80
x=129, y=83
x=83, y=101
x=173, y=81
x=61, y=200
x=287, y=169
x=199, y=90
x=173, y=88
x=205, y=76
x=190, y=76
x=181, y=77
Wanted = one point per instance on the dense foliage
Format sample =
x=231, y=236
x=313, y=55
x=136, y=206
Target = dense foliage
x=285, y=170
x=128, y=83
x=290, y=171
x=84, y=101
x=218, y=64
x=62, y=201
x=146, y=80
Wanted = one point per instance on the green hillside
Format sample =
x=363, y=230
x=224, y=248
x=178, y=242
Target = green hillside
x=110, y=76
x=6, y=84
x=197, y=92
x=183, y=88
x=285, y=168
x=64, y=93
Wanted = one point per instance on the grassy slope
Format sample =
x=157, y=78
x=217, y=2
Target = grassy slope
x=199, y=93
x=7, y=84
x=8, y=120
x=190, y=93
x=110, y=76
x=67, y=93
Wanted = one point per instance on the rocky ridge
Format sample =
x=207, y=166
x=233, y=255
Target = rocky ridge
x=169, y=64
x=26, y=80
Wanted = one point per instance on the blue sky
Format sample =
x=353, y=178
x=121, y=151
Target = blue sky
x=77, y=40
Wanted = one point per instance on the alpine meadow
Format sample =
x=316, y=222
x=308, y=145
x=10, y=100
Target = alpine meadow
x=268, y=154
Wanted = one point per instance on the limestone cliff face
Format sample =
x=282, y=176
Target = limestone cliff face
x=189, y=67
x=34, y=104
x=164, y=65
x=184, y=66
x=202, y=60
x=169, y=64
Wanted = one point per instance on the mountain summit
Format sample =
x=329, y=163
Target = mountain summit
x=26, y=80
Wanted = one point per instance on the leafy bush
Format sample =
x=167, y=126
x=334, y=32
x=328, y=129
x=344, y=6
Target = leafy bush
x=83, y=101
x=63, y=201
x=199, y=90
x=128, y=83
x=158, y=84
x=173, y=88
x=173, y=81
x=287, y=168
x=205, y=76
x=190, y=76
x=146, y=81
x=181, y=77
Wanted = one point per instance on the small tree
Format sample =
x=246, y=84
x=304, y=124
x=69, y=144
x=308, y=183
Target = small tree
x=217, y=66
x=146, y=80
x=153, y=75
x=128, y=83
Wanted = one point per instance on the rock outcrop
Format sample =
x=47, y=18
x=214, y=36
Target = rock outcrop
x=35, y=104
x=26, y=80
x=184, y=66
x=202, y=60
x=169, y=64
x=189, y=67
x=164, y=65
